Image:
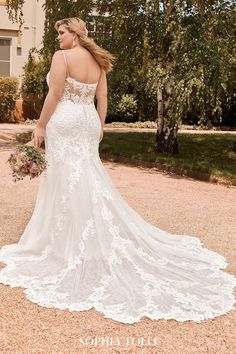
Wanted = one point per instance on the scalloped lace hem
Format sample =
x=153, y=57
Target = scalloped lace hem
x=51, y=299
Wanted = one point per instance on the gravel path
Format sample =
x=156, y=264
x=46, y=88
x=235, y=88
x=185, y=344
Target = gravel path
x=175, y=204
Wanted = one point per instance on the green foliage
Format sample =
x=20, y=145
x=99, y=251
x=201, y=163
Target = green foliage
x=14, y=8
x=34, y=87
x=127, y=107
x=33, y=81
x=8, y=95
x=201, y=60
x=32, y=154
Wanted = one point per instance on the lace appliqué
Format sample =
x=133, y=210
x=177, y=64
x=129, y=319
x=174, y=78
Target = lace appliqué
x=88, y=231
x=77, y=92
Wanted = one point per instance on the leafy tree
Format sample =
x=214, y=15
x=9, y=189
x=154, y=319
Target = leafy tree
x=194, y=68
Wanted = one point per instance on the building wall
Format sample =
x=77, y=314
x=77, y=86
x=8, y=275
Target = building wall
x=15, y=44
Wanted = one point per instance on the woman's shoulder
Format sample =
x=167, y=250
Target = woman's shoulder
x=57, y=53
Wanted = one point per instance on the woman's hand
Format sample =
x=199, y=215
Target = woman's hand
x=30, y=143
x=38, y=136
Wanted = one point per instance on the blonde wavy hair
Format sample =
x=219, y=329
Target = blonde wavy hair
x=76, y=25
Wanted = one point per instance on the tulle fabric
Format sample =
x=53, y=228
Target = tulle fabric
x=85, y=247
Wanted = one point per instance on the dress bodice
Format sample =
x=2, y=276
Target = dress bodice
x=76, y=91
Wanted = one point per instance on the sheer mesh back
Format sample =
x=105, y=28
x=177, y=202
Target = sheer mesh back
x=78, y=92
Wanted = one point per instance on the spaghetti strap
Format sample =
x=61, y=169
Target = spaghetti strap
x=64, y=55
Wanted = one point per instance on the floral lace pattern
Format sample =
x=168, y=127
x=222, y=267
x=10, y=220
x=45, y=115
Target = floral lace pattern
x=77, y=92
x=85, y=247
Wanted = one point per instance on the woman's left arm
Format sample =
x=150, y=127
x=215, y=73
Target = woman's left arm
x=56, y=87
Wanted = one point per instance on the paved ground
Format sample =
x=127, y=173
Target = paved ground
x=175, y=204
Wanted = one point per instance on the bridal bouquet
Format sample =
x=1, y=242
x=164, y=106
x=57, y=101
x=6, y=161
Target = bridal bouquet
x=26, y=161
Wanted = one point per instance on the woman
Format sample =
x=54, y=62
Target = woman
x=84, y=246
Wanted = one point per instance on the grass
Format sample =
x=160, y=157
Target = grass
x=202, y=156
x=209, y=156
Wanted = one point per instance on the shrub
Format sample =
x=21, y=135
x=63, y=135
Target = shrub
x=34, y=87
x=8, y=96
x=145, y=125
x=127, y=108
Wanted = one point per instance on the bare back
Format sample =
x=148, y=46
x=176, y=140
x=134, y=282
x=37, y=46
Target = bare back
x=82, y=66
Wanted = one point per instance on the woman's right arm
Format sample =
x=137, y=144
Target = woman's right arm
x=56, y=86
x=101, y=96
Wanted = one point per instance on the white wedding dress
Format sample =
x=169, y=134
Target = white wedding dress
x=85, y=247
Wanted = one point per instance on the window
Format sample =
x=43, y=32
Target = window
x=5, y=45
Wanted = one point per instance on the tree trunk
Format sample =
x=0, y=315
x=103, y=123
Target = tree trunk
x=234, y=147
x=167, y=128
x=166, y=138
